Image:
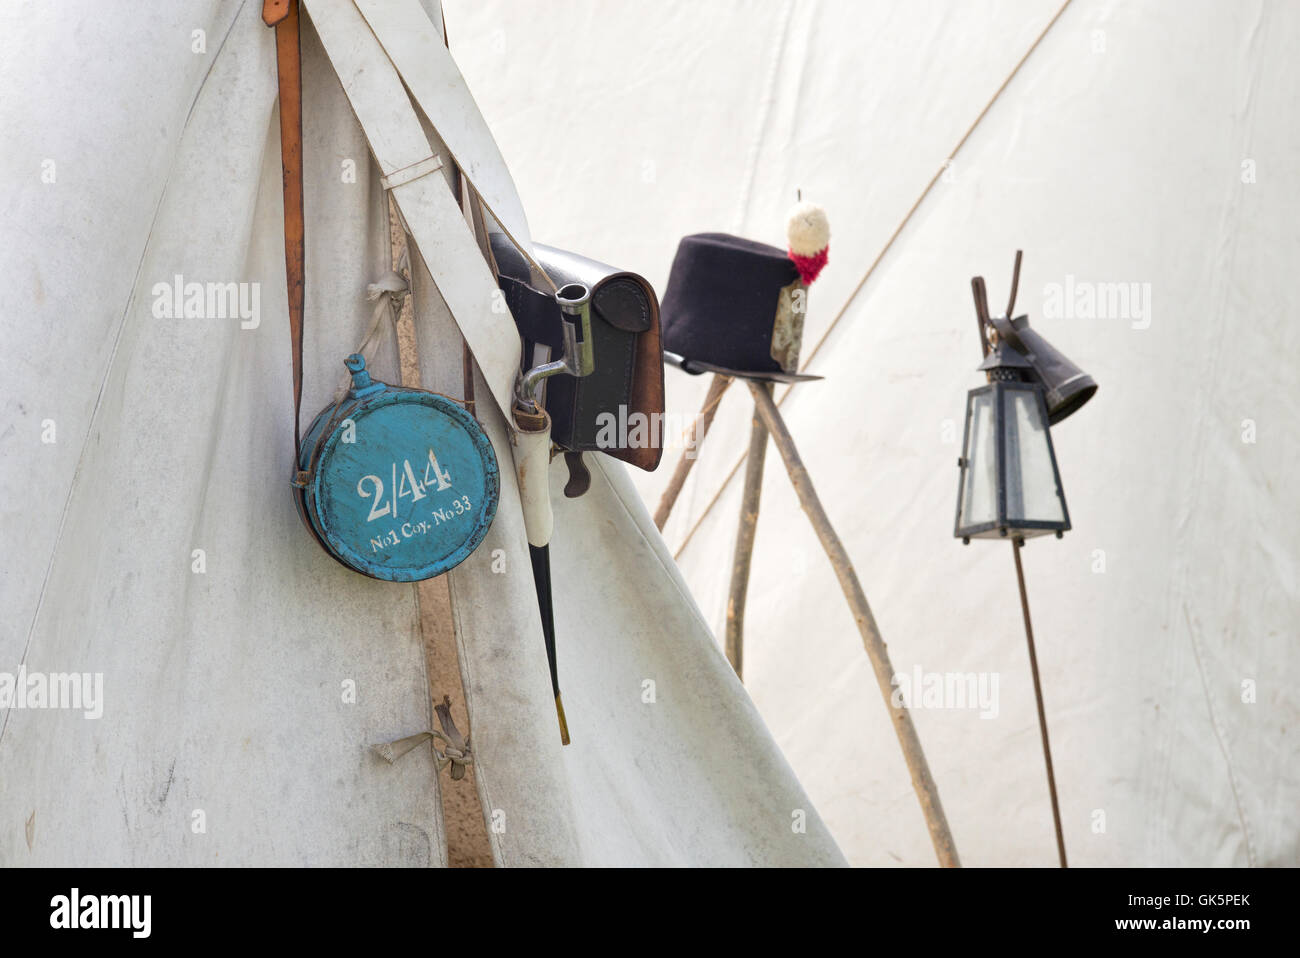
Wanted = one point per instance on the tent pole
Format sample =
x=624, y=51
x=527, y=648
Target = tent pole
x=922, y=781
x=745, y=532
x=699, y=428
x=1016, y=546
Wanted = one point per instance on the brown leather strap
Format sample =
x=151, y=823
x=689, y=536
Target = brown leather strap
x=283, y=15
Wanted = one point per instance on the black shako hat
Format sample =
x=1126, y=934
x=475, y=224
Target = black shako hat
x=731, y=306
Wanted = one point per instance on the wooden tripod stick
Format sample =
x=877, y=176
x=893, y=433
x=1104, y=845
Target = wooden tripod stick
x=922, y=781
x=692, y=452
x=745, y=531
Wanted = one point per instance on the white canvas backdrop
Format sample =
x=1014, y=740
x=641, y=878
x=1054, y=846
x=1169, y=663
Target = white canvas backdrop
x=1149, y=143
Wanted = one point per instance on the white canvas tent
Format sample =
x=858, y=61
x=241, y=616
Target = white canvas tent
x=1144, y=142
x=1150, y=143
x=148, y=532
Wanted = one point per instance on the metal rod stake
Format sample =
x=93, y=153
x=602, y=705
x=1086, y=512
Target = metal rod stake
x=1016, y=546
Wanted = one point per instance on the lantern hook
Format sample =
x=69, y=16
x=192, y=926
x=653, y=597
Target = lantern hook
x=981, y=311
x=1015, y=283
x=987, y=333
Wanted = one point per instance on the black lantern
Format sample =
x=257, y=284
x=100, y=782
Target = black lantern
x=1010, y=485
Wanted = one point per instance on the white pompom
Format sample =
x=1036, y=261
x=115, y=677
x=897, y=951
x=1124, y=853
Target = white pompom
x=807, y=229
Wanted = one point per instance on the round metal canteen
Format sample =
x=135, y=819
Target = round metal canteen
x=398, y=484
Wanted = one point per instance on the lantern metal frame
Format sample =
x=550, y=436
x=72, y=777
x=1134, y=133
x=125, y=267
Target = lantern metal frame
x=1002, y=527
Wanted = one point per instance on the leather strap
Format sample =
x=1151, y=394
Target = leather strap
x=283, y=15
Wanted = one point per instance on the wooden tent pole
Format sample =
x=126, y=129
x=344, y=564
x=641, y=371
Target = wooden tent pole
x=922, y=781
x=699, y=428
x=744, y=552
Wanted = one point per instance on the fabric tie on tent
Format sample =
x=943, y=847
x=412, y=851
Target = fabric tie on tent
x=455, y=751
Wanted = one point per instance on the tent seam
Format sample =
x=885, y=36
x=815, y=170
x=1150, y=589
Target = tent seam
x=1220, y=738
x=439, y=812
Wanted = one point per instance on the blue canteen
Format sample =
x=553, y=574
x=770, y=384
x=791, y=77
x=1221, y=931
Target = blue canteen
x=395, y=483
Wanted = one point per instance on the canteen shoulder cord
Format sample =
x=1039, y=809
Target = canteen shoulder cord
x=389, y=294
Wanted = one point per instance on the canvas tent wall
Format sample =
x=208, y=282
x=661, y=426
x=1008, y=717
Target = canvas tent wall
x=1150, y=143
x=151, y=537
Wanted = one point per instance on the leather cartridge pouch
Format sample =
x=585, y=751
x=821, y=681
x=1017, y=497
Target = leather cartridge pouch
x=618, y=408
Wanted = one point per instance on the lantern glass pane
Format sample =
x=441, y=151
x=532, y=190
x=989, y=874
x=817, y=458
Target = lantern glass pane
x=979, y=500
x=1030, y=474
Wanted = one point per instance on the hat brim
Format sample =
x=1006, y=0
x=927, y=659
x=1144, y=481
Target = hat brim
x=695, y=367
